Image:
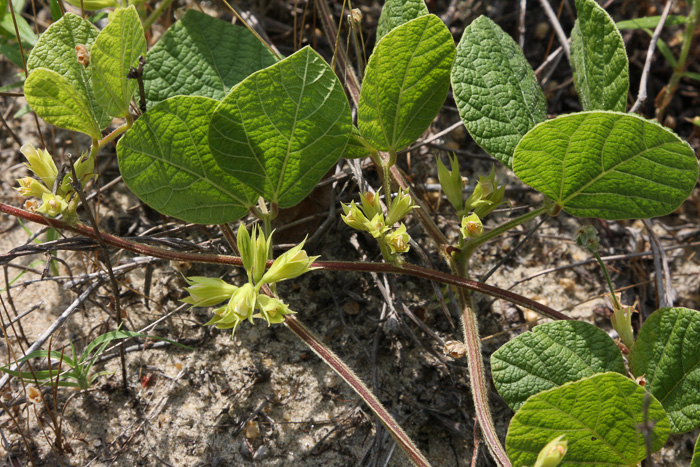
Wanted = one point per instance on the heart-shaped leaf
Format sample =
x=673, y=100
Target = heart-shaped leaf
x=202, y=56
x=397, y=12
x=599, y=59
x=282, y=128
x=600, y=416
x=608, y=165
x=551, y=355
x=165, y=160
x=55, y=51
x=55, y=100
x=116, y=49
x=496, y=91
x=406, y=83
x=667, y=353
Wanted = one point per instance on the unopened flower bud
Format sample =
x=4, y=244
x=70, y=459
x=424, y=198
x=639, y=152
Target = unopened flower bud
x=587, y=237
x=471, y=226
x=41, y=163
x=486, y=197
x=207, y=291
x=621, y=321
x=553, y=453
x=398, y=240
x=52, y=205
x=239, y=308
x=401, y=205
x=354, y=217
x=29, y=186
x=370, y=204
x=451, y=182
x=245, y=248
x=261, y=251
x=291, y=264
x=377, y=226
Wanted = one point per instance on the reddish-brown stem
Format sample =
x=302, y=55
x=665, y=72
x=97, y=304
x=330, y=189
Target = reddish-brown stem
x=359, y=387
x=348, y=266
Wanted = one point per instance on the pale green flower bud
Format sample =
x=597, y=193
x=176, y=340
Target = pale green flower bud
x=207, y=291
x=354, y=217
x=587, y=237
x=41, y=163
x=398, y=240
x=245, y=248
x=401, y=205
x=451, y=182
x=471, y=226
x=621, y=321
x=293, y=263
x=377, y=226
x=52, y=205
x=261, y=251
x=272, y=309
x=553, y=453
x=371, y=204
x=487, y=195
x=29, y=186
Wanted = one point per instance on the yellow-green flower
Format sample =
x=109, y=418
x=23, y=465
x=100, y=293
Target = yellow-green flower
x=401, y=205
x=208, y=291
x=52, y=205
x=371, y=204
x=398, y=240
x=293, y=263
x=354, y=216
x=254, y=250
x=29, y=186
x=239, y=308
x=487, y=195
x=471, y=226
x=272, y=309
x=553, y=453
x=41, y=163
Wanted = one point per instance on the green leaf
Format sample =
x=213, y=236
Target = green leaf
x=397, y=12
x=55, y=51
x=667, y=352
x=165, y=160
x=496, y=91
x=608, y=165
x=695, y=461
x=116, y=49
x=3, y=8
x=600, y=416
x=551, y=355
x=55, y=100
x=406, y=83
x=202, y=56
x=26, y=33
x=282, y=128
x=650, y=22
x=599, y=59
x=357, y=147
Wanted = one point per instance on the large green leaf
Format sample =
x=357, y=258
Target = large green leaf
x=667, y=353
x=397, y=12
x=55, y=100
x=600, y=416
x=406, y=83
x=551, y=355
x=165, y=160
x=495, y=88
x=283, y=127
x=116, y=49
x=599, y=59
x=202, y=56
x=55, y=51
x=608, y=165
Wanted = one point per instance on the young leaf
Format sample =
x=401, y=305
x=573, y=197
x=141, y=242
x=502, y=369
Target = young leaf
x=282, y=128
x=667, y=353
x=608, y=165
x=406, y=83
x=55, y=100
x=650, y=22
x=496, y=91
x=55, y=51
x=600, y=416
x=165, y=160
x=202, y=56
x=551, y=355
x=397, y=12
x=116, y=49
x=599, y=59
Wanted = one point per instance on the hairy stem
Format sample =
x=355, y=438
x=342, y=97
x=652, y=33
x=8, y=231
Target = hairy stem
x=332, y=360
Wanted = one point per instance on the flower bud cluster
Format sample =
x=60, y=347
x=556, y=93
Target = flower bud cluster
x=369, y=217
x=246, y=302
x=57, y=197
